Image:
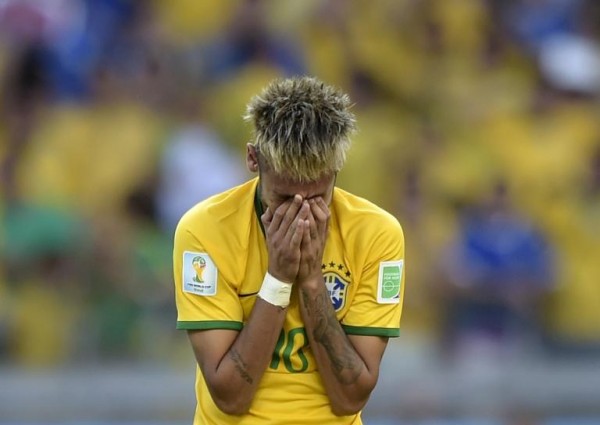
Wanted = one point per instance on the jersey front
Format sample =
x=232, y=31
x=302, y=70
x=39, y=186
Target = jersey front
x=220, y=259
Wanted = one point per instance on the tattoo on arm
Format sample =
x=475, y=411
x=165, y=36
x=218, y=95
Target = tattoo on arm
x=240, y=365
x=328, y=333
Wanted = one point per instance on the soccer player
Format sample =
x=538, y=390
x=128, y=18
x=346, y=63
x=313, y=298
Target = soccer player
x=288, y=286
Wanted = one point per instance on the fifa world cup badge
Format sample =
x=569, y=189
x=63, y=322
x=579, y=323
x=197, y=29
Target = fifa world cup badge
x=199, y=264
x=199, y=274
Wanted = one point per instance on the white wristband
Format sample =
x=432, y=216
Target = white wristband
x=275, y=291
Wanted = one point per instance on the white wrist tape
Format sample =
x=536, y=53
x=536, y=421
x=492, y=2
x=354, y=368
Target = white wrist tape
x=275, y=291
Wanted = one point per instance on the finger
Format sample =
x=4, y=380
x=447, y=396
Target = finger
x=321, y=213
x=306, y=236
x=301, y=215
x=290, y=214
x=312, y=226
x=278, y=214
x=266, y=218
x=304, y=211
x=320, y=209
x=297, y=237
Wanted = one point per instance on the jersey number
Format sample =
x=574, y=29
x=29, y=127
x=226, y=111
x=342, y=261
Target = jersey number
x=285, y=347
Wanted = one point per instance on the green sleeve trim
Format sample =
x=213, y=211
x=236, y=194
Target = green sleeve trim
x=360, y=330
x=210, y=324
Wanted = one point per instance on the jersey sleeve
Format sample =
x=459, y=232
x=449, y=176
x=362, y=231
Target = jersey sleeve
x=377, y=304
x=204, y=298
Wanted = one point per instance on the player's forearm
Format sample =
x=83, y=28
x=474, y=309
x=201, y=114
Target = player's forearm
x=237, y=376
x=347, y=380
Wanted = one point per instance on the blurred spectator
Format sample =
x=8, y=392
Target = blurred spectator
x=429, y=225
x=195, y=162
x=74, y=35
x=23, y=90
x=44, y=253
x=247, y=38
x=571, y=63
x=534, y=22
x=195, y=165
x=573, y=313
x=90, y=157
x=499, y=269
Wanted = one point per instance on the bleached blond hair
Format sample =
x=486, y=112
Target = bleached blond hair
x=302, y=127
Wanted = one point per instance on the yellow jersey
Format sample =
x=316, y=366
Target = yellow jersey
x=220, y=259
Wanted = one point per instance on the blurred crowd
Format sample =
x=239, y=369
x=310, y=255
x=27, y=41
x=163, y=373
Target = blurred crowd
x=478, y=128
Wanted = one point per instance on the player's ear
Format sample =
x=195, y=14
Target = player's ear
x=251, y=158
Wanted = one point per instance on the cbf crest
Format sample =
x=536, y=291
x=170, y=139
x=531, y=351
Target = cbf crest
x=337, y=279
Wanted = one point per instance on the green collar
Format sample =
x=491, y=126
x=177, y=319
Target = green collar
x=258, y=207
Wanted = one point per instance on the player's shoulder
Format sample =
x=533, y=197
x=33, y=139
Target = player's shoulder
x=357, y=211
x=369, y=232
x=219, y=208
